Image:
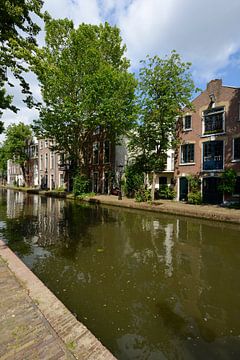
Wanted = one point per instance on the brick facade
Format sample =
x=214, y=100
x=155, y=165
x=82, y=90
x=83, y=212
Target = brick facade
x=207, y=144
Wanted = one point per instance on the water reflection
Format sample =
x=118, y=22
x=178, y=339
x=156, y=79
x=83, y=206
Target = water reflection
x=149, y=286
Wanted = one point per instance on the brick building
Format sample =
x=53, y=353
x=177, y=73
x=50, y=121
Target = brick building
x=101, y=163
x=209, y=141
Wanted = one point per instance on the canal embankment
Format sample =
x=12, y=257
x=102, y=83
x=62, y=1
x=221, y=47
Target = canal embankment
x=204, y=211
x=210, y=212
x=34, y=323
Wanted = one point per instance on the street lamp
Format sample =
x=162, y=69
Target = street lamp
x=120, y=172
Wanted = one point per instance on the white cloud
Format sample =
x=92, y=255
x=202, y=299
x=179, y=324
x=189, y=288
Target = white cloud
x=203, y=32
x=206, y=33
x=79, y=11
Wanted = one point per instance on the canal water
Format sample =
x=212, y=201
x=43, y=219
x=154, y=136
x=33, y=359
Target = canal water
x=149, y=286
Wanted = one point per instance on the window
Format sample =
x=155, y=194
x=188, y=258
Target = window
x=95, y=153
x=106, y=151
x=213, y=155
x=52, y=160
x=41, y=162
x=187, y=153
x=46, y=161
x=46, y=143
x=187, y=123
x=237, y=186
x=236, y=149
x=95, y=182
x=41, y=144
x=61, y=179
x=162, y=181
x=214, y=121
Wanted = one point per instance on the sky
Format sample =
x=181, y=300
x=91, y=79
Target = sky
x=205, y=32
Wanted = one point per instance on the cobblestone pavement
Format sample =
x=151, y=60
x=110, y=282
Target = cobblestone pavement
x=24, y=332
x=211, y=212
x=34, y=324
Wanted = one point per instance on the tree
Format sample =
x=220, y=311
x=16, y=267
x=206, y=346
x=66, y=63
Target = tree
x=165, y=88
x=86, y=87
x=1, y=127
x=17, y=146
x=3, y=162
x=228, y=181
x=17, y=42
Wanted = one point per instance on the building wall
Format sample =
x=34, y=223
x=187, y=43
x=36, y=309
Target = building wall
x=227, y=97
x=50, y=174
x=101, y=163
x=14, y=174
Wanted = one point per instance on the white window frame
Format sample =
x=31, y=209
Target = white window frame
x=46, y=161
x=184, y=123
x=223, y=126
x=181, y=154
x=41, y=162
x=233, y=149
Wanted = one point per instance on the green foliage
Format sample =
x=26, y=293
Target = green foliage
x=85, y=85
x=194, y=183
x=61, y=188
x=17, y=145
x=18, y=139
x=229, y=178
x=143, y=195
x=17, y=42
x=166, y=192
x=165, y=87
x=3, y=160
x=86, y=195
x=195, y=198
x=134, y=179
x=80, y=185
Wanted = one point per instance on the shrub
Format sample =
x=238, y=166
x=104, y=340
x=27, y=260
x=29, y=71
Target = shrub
x=61, y=188
x=133, y=180
x=194, y=183
x=166, y=192
x=195, y=198
x=143, y=195
x=80, y=185
x=229, y=178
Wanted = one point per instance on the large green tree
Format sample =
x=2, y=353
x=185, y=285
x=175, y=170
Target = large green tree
x=3, y=162
x=85, y=85
x=17, y=42
x=17, y=146
x=165, y=88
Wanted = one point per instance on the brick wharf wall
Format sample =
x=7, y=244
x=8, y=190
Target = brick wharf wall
x=225, y=96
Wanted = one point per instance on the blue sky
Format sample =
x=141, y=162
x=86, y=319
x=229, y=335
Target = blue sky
x=205, y=32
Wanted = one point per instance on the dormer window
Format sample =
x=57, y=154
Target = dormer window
x=187, y=123
x=213, y=121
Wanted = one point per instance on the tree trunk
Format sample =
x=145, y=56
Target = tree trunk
x=153, y=186
x=24, y=173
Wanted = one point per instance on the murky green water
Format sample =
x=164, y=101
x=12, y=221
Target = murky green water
x=148, y=286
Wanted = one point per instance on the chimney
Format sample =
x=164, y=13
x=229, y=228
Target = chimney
x=214, y=88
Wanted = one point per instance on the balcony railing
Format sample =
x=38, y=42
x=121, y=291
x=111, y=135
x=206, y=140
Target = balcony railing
x=213, y=162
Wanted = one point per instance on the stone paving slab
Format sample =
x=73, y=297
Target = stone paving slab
x=24, y=332
x=34, y=324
